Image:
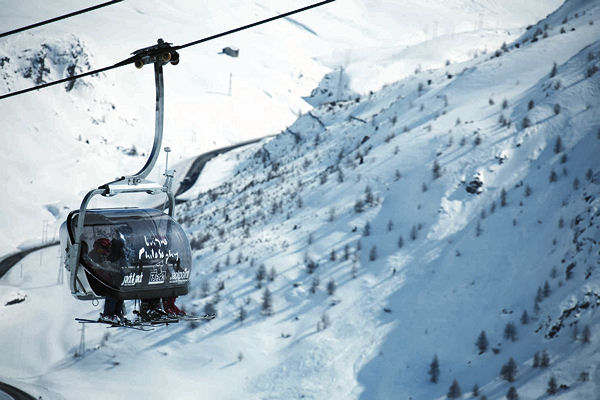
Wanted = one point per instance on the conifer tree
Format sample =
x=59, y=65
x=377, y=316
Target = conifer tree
x=586, y=336
x=524, y=318
x=242, y=314
x=267, y=302
x=544, y=360
x=552, y=386
x=512, y=394
x=510, y=331
x=373, y=253
x=509, y=370
x=546, y=291
x=315, y=284
x=331, y=286
x=434, y=370
x=482, y=342
x=454, y=390
x=261, y=273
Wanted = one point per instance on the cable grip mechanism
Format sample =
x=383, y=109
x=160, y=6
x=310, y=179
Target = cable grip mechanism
x=162, y=53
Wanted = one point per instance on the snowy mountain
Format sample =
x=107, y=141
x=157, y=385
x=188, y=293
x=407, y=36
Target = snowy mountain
x=391, y=223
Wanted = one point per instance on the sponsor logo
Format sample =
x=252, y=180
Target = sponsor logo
x=157, y=277
x=180, y=276
x=132, y=279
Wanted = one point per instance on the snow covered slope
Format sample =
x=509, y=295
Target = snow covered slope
x=373, y=257
x=63, y=141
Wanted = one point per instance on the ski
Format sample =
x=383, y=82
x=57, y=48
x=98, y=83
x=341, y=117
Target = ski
x=130, y=325
x=188, y=317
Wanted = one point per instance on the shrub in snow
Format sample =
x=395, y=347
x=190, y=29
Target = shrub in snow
x=527, y=191
x=556, y=109
x=390, y=225
x=508, y=371
x=454, y=390
x=475, y=391
x=504, y=104
x=272, y=274
x=524, y=318
x=553, y=176
x=526, y=123
x=434, y=370
x=530, y=105
x=400, y=242
x=584, y=376
x=589, y=174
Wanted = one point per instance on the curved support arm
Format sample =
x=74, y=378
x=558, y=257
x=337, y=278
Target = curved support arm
x=158, y=126
x=74, y=252
x=140, y=176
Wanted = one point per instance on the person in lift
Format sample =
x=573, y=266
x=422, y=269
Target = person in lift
x=109, y=257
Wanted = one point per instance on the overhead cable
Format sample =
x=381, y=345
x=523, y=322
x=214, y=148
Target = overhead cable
x=48, y=21
x=135, y=58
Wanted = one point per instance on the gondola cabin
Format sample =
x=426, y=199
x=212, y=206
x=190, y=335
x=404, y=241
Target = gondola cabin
x=127, y=253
